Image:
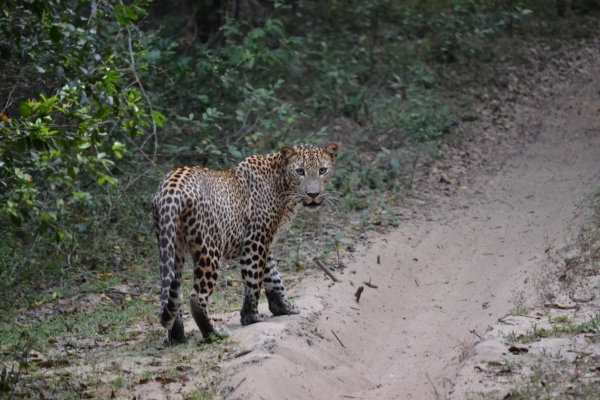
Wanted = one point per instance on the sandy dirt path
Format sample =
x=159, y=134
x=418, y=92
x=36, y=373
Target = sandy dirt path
x=438, y=278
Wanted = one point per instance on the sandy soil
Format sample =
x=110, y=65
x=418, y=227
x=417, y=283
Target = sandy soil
x=450, y=271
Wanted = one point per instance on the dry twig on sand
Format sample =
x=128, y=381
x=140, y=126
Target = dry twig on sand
x=358, y=293
x=328, y=272
x=243, y=353
x=369, y=284
x=338, y=339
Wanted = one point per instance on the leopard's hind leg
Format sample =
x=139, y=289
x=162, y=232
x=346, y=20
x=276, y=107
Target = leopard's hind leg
x=206, y=272
x=177, y=333
x=171, y=250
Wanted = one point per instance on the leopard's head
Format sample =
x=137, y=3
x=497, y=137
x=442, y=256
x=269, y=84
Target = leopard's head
x=308, y=171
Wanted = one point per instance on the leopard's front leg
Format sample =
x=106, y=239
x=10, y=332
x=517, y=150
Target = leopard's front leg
x=275, y=291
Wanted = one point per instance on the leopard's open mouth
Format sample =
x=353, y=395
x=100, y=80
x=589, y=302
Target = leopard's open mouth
x=313, y=205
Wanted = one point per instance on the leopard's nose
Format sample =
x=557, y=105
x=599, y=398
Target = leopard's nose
x=313, y=195
x=313, y=189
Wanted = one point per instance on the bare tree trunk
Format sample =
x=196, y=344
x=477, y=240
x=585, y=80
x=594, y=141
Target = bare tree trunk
x=561, y=7
x=207, y=17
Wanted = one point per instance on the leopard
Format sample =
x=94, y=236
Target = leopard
x=237, y=214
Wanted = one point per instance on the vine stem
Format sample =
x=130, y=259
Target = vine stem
x=414, y=167
x=141, y=86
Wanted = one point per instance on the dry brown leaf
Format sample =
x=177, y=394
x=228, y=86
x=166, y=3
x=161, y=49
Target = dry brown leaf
x=165, y=380
x=53, y=363
x=518, y=350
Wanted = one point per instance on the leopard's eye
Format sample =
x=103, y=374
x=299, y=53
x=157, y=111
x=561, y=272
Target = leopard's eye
x=300, y=171
x=322, y=171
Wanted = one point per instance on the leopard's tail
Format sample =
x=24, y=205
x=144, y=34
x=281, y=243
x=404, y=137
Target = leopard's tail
x=166, y=220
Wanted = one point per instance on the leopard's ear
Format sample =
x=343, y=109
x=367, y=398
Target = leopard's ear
x=331, y=150
x=287, y=152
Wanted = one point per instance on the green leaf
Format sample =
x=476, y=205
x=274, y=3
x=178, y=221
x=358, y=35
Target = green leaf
x=256, y=33
x=339, y=236
x=158, y=118
x=117, y=148
x=235, y=152
x=105, y=178
x=395, y=164
x=55, y=34
x=388, y=209
x=25, y=110
x=84, y=145
x=16, y=220
x=103, y=112
x=122, y=20
x=129, y=13
x=239, y=115
x=72, y=173
x=48, y=217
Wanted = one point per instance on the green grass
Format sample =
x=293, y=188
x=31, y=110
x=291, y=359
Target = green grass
x=46, y=358
x=552, y=377
x=520, y=310
x=560, y=327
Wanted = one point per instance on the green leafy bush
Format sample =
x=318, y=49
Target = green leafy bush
x=98, y=103
x=56, y=143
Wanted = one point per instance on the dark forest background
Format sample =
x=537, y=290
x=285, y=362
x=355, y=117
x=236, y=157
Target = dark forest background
x=98, y=99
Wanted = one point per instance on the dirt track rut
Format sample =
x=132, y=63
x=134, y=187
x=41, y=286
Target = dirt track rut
x=438, y=278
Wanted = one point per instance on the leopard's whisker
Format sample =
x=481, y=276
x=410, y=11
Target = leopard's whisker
x=332, y=200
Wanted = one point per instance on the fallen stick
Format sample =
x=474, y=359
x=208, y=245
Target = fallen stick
x=235, y=388
x=369, y=284
x=243, y=353
x=583, y=353
x=562, y=306
x=358, y=293
x=329, y=273
x=476, y=334
x=338, y=339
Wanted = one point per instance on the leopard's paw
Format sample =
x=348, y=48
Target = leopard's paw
x=253, y=318
x=280, y=305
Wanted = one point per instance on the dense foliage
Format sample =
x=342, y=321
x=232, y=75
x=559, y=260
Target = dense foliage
x=99, y=99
